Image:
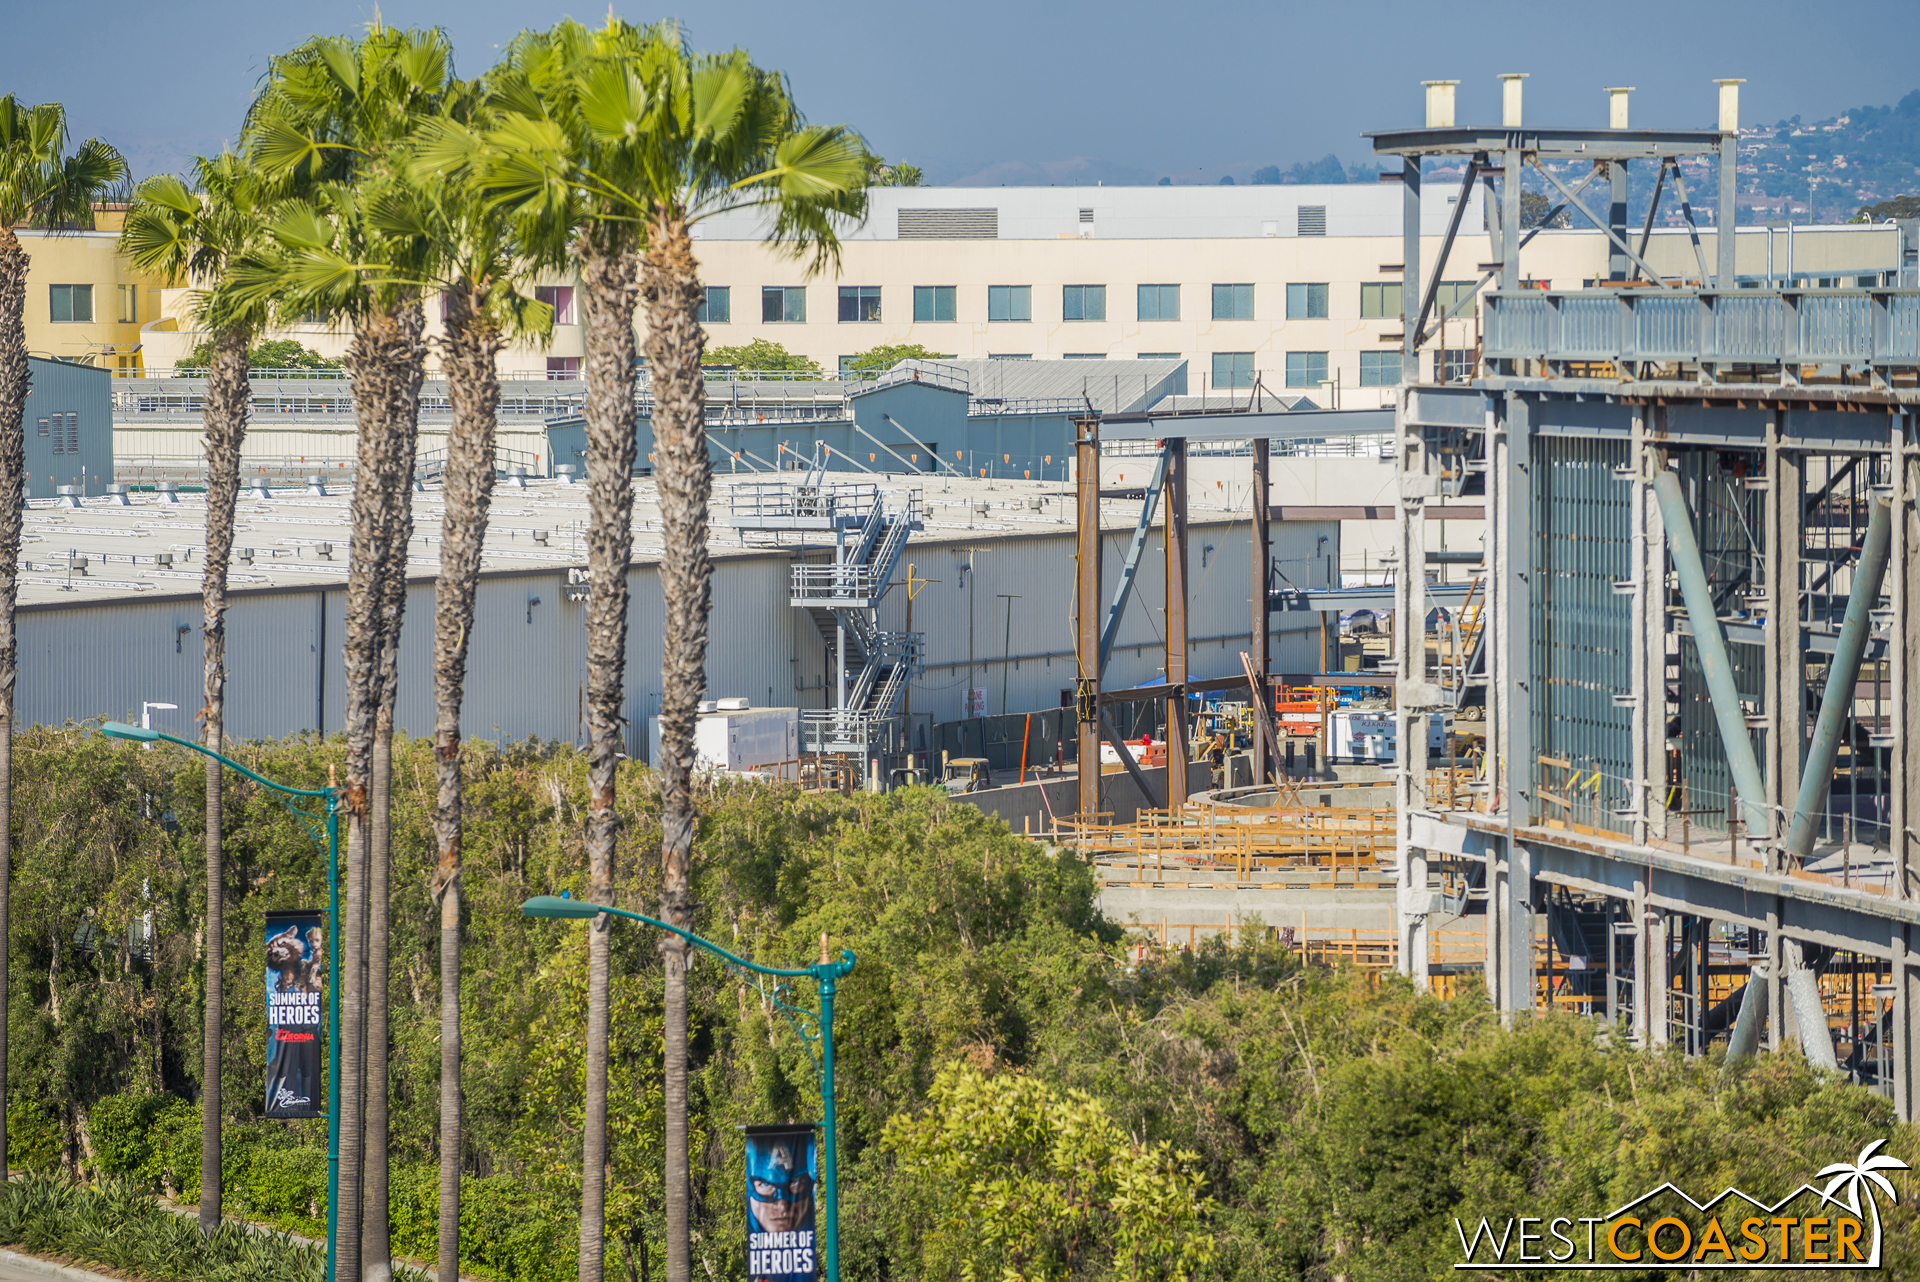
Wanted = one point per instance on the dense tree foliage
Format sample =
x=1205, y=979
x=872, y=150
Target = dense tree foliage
x=761, y=353
x=273, y=353
x=1289, y=1122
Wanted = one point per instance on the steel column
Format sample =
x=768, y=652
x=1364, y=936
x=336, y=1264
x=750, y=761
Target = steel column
x=1786, y=642
x=1711, y=641
x=1649, y=659
x=1905, y=704
x=1409, y=266
x=1724, y=222
x=1176, y=674
x=1261, y=650
x=1906, y=1028
x=1843, y=670
x=1087, y=610
x=1617, y=219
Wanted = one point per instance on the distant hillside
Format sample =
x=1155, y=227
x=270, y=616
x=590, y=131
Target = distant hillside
x=1862, y=156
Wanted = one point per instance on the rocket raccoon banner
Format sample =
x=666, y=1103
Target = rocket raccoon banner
x=781, y=1173
x=296, y=981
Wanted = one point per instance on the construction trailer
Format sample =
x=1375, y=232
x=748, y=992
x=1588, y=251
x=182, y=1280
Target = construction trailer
x=1702, y=555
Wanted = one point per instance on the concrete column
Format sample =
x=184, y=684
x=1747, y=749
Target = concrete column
x=1510, y=520
x=1906, y=1026
x=1175, y=502
x=1649, y=663
x=1653, y=934
x=1617, y=261
x=1642, y=965
x=1494, y=929
x=1410, y=674
x=1724, y=222
x=1518, y=996
x=1414, y=902
x=1785, y=640
x=1779, y=1009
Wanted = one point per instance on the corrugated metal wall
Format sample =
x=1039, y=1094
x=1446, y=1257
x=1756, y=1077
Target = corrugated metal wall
x=527, y=663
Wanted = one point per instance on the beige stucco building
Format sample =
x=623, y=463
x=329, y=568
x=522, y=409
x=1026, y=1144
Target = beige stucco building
x=85, y=303
x=1296, y=287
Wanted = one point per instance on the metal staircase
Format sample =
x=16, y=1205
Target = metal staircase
x=869, y=530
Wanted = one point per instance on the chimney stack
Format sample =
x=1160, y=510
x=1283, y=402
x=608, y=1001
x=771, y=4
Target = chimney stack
x=1439, y=103
x=1617, y=106
x=1510, y=99
x=1730, y=105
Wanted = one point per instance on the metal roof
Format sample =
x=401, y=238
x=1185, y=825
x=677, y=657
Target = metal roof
x=1114, y=387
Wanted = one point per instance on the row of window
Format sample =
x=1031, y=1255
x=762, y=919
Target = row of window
x=1230, y=369
x=73, y=304
x=787, y=304
x=62, y=431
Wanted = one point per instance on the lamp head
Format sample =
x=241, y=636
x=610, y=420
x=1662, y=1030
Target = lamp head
x=121, y=730
x=557, y=906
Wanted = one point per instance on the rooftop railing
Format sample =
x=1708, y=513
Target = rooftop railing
x=1779, y=330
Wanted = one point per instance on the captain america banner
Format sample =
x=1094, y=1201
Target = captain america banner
x=782, y=1171
x=296, y=981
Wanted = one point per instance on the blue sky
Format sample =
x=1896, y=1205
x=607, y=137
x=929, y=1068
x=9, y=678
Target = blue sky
x=1121, y=91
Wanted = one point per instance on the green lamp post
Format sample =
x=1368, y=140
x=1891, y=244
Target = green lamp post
x=824, y=973
x=327, y=822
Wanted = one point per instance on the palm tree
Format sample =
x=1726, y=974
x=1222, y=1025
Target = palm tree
x=201, y=236
x=644, y=139
x=1855, y=1177
x=40, y=181
x=333, y=123
x=484, y=263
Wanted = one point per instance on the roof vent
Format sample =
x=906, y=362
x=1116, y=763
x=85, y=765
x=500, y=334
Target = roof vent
x=949, y=224
x=1086, y=215
x=1312, y=221
x=733, y=705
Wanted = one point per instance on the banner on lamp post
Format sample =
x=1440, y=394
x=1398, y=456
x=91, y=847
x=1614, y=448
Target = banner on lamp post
x=296, y=980
x=782, y=1171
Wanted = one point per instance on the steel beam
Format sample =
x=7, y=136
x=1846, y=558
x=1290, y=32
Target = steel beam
x=1131, y=766
x=1550, y=143
x=1446, y=250
x=1131, y=566
x=1617, y=251
x=1715, y=666
x=1176, y=666
x=1260, y=650
x=1265, y=423
x=1086, y=452
x=1784, y=638
x=1905, y=701
x=1843, y=670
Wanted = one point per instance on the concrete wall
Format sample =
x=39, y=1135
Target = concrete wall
x=1032, y=807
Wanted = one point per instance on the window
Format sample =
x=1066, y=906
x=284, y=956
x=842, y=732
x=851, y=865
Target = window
x=563, y=367
x=1233, y=369
x=1159, y=356
x=1449, y=293
x=1009, y=302
x=859, y=303
x=783, y=304
x=933, y=303
x=1233, y=302
x=1453, y=365
x=1306, y=302
x=1083, y=356
x=129, y=304
x=716, y=305
x=1306, y=369
x=1312, y=220
x=1159, y=302
x=1009, y=356
x=1379, y=369
x=558, y=297
x=1380, y=300
x=70, y=304
x=44, y=430
x=1083, y=303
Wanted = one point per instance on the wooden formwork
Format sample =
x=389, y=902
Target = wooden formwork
x=1314, y=837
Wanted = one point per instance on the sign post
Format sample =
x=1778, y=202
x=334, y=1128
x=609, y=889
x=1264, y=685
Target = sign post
x=825, y=974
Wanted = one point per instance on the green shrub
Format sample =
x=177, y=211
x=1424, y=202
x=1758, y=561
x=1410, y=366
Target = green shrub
x=33, y=1136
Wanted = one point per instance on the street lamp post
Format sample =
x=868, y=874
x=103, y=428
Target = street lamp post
x=329, y=821
x=824, y=973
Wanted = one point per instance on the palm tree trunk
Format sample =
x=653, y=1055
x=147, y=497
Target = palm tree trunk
x=13, y=462
x=404, y=424
x=473, y=384
x=226, y=424
x=385, y=362
x=683, y=475
x=608, y=293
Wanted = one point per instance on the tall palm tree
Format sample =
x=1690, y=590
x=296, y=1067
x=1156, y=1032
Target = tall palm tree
x=645, y=138
x=39, y=181
x=484, y=264
x=201, y=236
x=333, y=123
